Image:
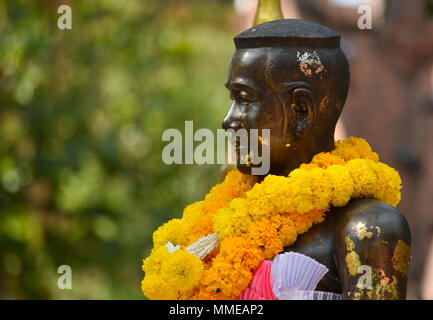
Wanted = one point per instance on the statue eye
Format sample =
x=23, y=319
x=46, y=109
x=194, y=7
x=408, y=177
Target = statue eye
x=245, y=98
x=245, y=102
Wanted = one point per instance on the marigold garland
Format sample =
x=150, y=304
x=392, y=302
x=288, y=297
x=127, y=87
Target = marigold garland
x=254, y=221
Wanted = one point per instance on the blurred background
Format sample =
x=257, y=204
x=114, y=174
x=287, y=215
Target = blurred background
x=82, y=111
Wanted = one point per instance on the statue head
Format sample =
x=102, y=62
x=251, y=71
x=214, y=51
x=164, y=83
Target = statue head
x=289, y=76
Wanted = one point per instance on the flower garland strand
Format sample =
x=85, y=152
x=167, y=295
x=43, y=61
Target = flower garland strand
x=255, y=221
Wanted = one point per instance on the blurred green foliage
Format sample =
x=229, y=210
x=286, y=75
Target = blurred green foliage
x=82, y=112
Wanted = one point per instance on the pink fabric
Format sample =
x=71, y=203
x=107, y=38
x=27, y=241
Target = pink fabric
x=260, y=288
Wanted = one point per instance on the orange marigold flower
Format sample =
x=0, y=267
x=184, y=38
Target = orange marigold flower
x=235, y=185
x=285, y=227
x=199, y=227
x=231, y=270
x=264, y=235
x=239, y=251
x=304, y=221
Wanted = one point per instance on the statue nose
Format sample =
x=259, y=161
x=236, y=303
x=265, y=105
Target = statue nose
x=232, y=120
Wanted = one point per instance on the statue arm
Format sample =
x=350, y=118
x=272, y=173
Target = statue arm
x=373, y=252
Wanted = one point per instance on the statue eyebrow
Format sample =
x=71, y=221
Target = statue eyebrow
x=238, y=86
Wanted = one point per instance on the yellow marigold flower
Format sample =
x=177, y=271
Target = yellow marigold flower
x=182, y=270
x=285, y=227
x=174, y=231
x=301, y=195
x=388, y=184
x=308, y=166
x=188, y=295
x=321, y=188
x=197, y=222
x=353, y=148
x=278, y=190
x=363, y=176
x=232, y=221
x=345, y=153
x=152, y=264
x=264, y=235
x=258, y=203
x=326, y=159
x=198, y=216
x=308, y=190
x=155, y=288
x=193, y=211
x=341, y=184
x=265, y=198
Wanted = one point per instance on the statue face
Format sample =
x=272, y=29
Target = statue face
x=290, y=77
x=256, y=106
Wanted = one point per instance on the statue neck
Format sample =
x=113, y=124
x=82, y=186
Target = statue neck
x=304, y=151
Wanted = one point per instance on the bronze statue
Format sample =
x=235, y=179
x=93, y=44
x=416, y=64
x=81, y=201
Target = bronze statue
x=291, y=76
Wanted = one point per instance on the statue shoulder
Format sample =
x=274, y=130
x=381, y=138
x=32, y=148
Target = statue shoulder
x=372, y=237
x=370, y=218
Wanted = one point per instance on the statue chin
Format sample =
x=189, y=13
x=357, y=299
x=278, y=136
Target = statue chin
x=247, y=168
x=246, y=165
x=244, y=168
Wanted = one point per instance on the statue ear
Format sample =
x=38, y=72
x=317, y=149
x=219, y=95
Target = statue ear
x=303, y=106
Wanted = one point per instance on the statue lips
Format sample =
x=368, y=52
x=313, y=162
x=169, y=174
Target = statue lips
x=242, y=153
x=243, y=156
x=239, y=146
